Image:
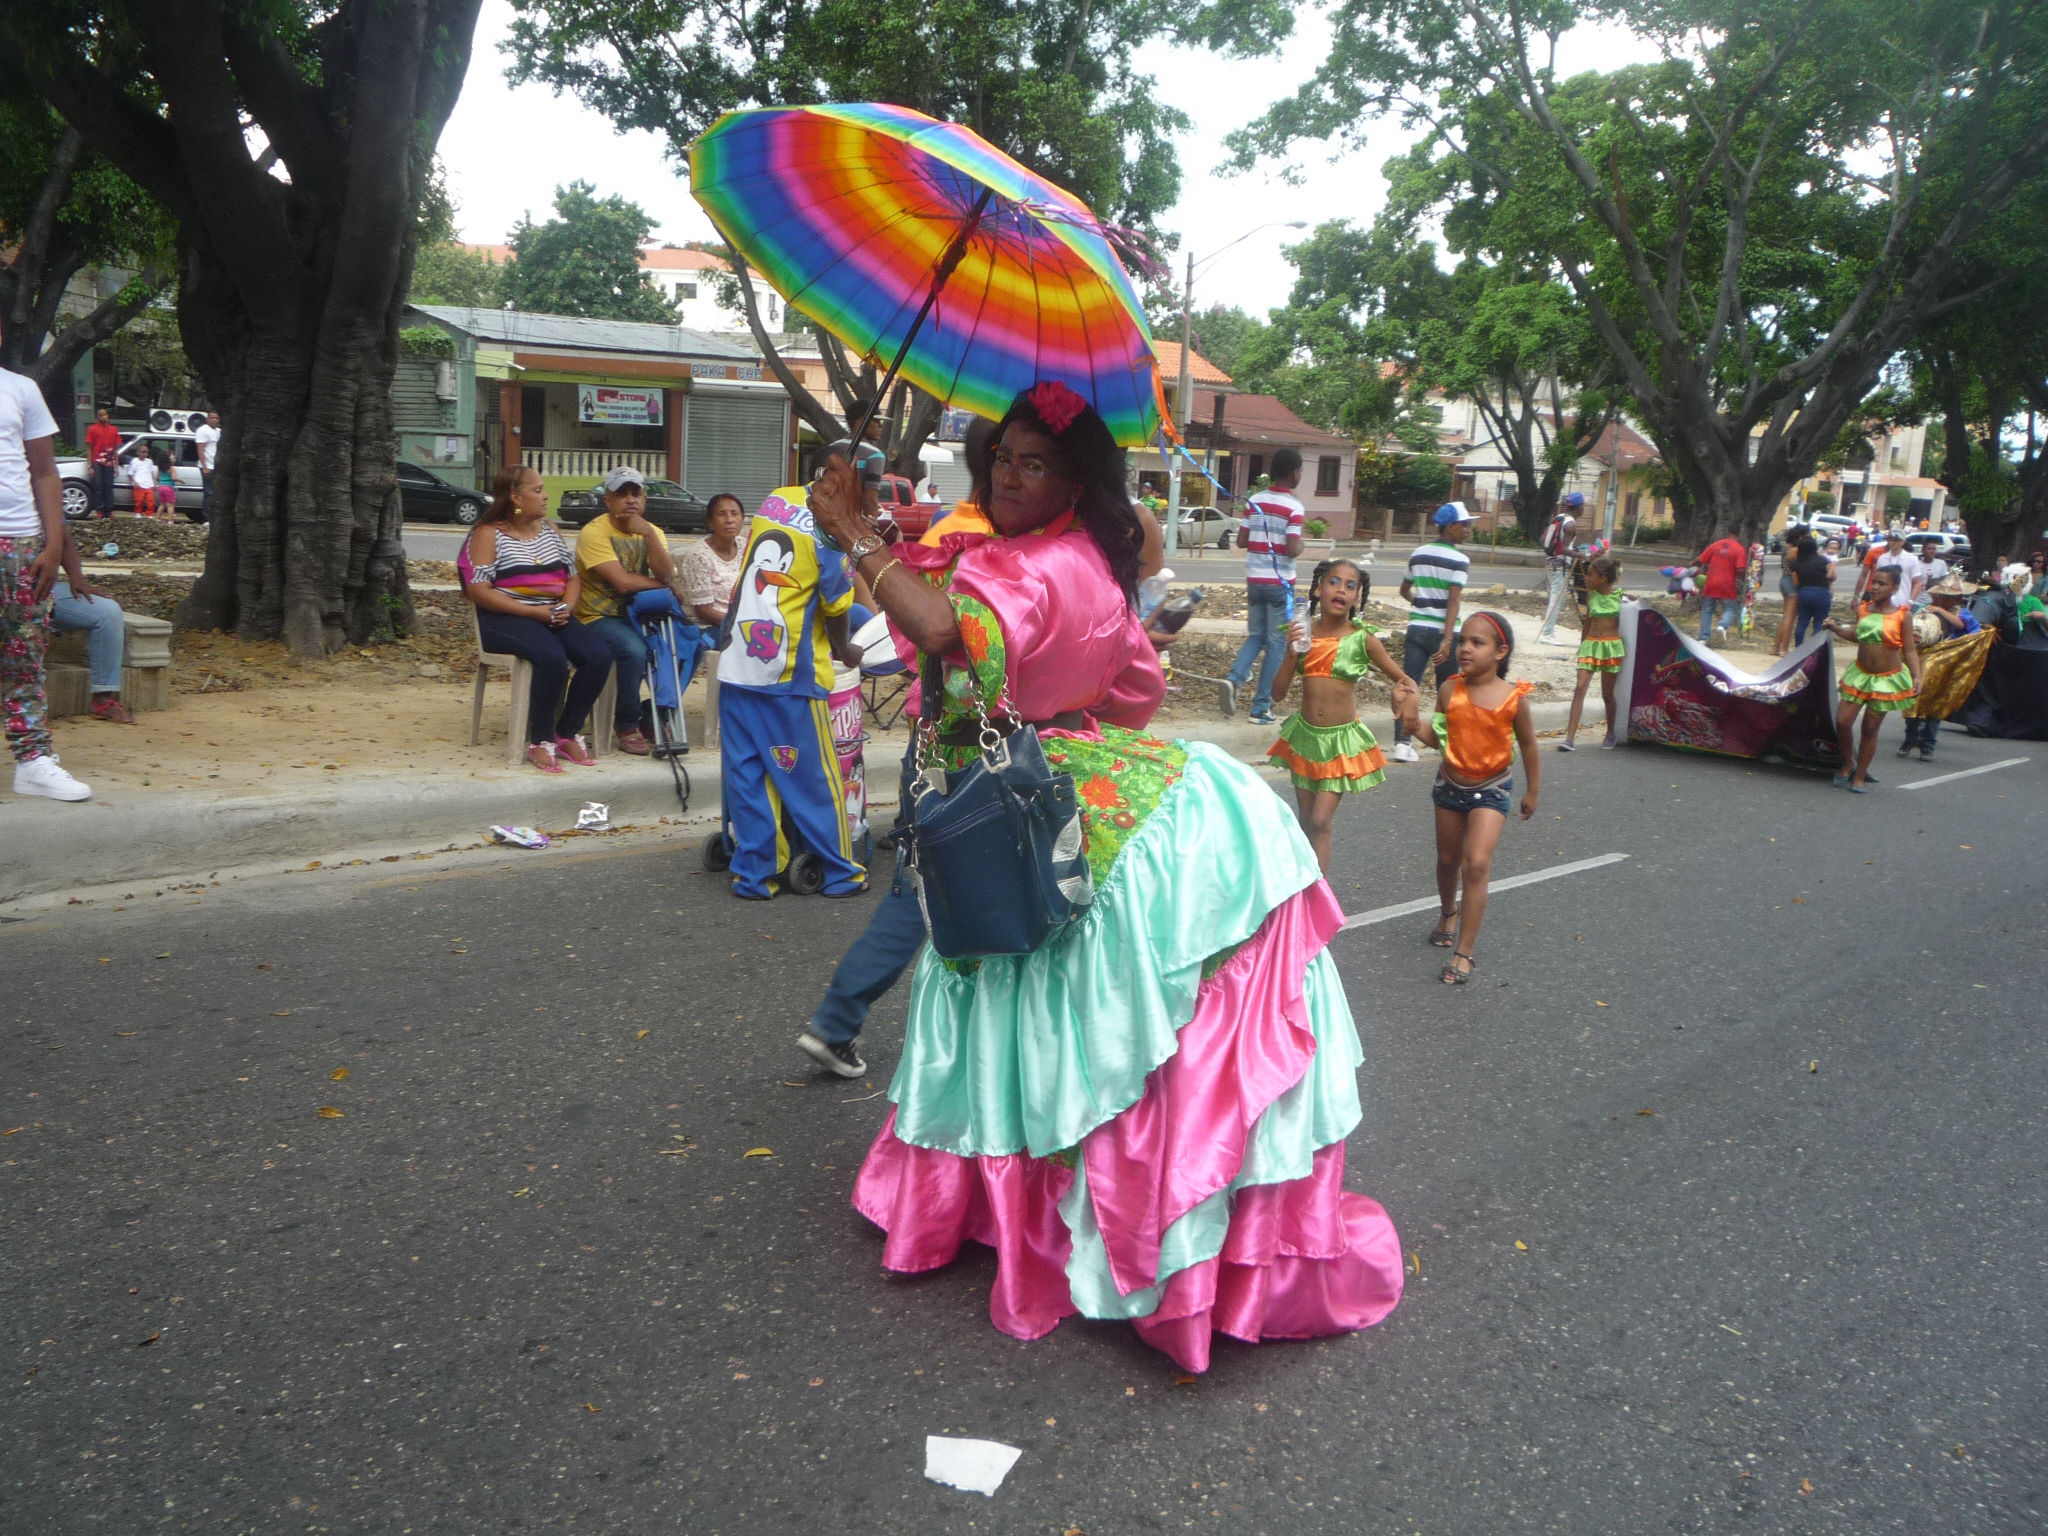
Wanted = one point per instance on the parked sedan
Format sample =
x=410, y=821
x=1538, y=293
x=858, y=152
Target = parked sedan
x=670, y=508
x=1203, y=526
x=427, y=498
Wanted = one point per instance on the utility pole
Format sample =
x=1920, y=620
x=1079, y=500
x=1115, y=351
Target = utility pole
x=1180, y=407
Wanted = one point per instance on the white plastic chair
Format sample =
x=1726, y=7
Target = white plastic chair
x=599, y=729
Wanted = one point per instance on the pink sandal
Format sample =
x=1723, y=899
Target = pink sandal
x=574, y=749
x=542, y=755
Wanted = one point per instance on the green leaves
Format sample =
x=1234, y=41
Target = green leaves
x=1051, y=82
x=585, y=260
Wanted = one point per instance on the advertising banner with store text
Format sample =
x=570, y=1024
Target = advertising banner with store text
x=608, y=406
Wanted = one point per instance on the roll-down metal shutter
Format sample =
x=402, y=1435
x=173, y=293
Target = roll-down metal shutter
x=738, y=442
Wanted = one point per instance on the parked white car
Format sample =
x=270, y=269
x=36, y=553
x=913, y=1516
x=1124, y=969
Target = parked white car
x=76, y=473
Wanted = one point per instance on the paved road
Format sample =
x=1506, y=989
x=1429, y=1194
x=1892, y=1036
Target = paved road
x=1672, y=1276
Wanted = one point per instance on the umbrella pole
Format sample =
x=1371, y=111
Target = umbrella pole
x=951, y=259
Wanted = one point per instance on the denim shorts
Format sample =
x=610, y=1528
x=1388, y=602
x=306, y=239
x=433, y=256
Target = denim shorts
x=1453, y=797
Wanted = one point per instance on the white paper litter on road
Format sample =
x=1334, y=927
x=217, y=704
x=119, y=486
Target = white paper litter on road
x=972, y=1466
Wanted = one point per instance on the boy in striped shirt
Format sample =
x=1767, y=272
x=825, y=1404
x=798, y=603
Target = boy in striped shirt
x=1434, y=586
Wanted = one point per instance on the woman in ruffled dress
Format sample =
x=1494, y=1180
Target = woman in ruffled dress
x=1144, y=1117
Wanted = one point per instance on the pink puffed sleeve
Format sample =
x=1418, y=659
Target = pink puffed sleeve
x=1071, y=638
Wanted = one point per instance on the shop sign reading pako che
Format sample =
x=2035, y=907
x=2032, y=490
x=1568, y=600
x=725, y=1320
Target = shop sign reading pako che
x=602, y=405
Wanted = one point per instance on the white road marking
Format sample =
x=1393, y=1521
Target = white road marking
x=1967, y=773
x=1494, y=888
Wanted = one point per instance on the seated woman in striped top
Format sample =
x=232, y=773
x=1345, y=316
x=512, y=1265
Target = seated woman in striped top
x=517, y=569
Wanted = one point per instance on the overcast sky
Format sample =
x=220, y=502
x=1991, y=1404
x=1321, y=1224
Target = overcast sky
x=507, y=150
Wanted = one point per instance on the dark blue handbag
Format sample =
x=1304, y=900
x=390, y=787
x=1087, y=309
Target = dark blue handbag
x=996, y=848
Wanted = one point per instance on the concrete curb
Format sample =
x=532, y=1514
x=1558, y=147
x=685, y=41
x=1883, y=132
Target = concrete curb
x=126, y=837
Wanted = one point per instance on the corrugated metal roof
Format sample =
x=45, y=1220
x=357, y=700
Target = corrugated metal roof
x=573, y=333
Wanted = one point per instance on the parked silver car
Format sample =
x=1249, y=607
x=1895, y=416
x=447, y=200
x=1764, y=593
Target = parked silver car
x=76, y=474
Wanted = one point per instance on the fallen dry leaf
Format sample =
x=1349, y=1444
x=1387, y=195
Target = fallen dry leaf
x=16, y=1131
x=817, y=1381
x=1051, y=1423
x=1805, y=1486
x=338, y=1074
x=521, y=1194
x=125, y=1034
x=642, y=1034
x=145, y=1343
x=1736, y=1331
x=592, y=1408
x=1598, y=1004
x=1959, y=1453
x=758, y=1152
x=1184, y=1381
x=1798, y=901
x=1521, y=1246
x=1813, y=1066
x=328, y=1112
x=1646, y=1111
x=1415, y=1259
x=163, y=954
x=106, y=959
x=280, y=1013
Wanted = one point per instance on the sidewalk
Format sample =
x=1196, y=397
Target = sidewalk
x=275, y=779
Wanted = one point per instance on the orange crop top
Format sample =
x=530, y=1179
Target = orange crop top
x=1891, y=630
x=1479, y=744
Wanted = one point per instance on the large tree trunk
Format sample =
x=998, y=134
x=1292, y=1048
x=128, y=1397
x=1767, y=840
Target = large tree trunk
x=291, y=289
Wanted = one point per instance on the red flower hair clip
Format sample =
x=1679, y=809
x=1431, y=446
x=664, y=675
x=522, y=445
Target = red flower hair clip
x=1056, y=405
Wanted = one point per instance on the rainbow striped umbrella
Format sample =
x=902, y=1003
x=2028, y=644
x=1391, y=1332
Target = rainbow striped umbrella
x=917, y=243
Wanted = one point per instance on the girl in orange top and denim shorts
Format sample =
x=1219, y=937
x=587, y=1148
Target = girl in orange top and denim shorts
x=1481, y=720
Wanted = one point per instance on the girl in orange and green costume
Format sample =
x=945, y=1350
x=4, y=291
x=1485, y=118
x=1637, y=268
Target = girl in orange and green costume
x=1601, y=651
x=1884, y=679
x=1324, y=746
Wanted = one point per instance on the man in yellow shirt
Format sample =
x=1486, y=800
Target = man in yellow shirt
x=619, y=556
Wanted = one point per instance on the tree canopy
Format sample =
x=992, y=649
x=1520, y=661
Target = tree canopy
x=584, y=261
x=289, y=144
x=65, y=209
x=1755, y=224
x=1052, y=82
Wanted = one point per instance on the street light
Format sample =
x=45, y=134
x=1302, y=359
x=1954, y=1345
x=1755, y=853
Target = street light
x=1181, y=400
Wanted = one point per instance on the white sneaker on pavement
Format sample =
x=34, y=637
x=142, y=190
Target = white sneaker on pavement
x=1403, y=752
x=44, y=776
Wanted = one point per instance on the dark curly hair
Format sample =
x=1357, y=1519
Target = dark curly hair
x=1088, y=455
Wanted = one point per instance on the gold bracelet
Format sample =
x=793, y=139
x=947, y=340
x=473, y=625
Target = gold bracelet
x=876, y=584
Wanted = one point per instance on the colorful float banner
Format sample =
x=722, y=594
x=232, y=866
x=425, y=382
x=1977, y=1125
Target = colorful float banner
x=2011, y=698
x=1949, y=671
x=1678, y=693
x=603, y=405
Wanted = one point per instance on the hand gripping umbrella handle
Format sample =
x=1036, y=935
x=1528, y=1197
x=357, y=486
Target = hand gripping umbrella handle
x=947, y=262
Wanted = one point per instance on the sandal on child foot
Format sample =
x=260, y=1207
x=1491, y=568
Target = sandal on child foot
x=1453, y=977
x=1444, y=934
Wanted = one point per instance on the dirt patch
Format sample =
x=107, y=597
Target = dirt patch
x=141, y=538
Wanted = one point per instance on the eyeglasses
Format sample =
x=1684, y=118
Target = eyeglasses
x=1030, y=469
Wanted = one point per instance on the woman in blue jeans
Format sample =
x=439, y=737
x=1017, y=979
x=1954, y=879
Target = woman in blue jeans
x=517, y=569
x=1815, y=574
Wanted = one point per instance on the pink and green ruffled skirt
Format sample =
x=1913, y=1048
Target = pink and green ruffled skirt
x=1146, y=1117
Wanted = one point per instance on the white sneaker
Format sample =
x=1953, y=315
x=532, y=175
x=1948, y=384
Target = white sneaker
x=1403, y=752
x=43, y=776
